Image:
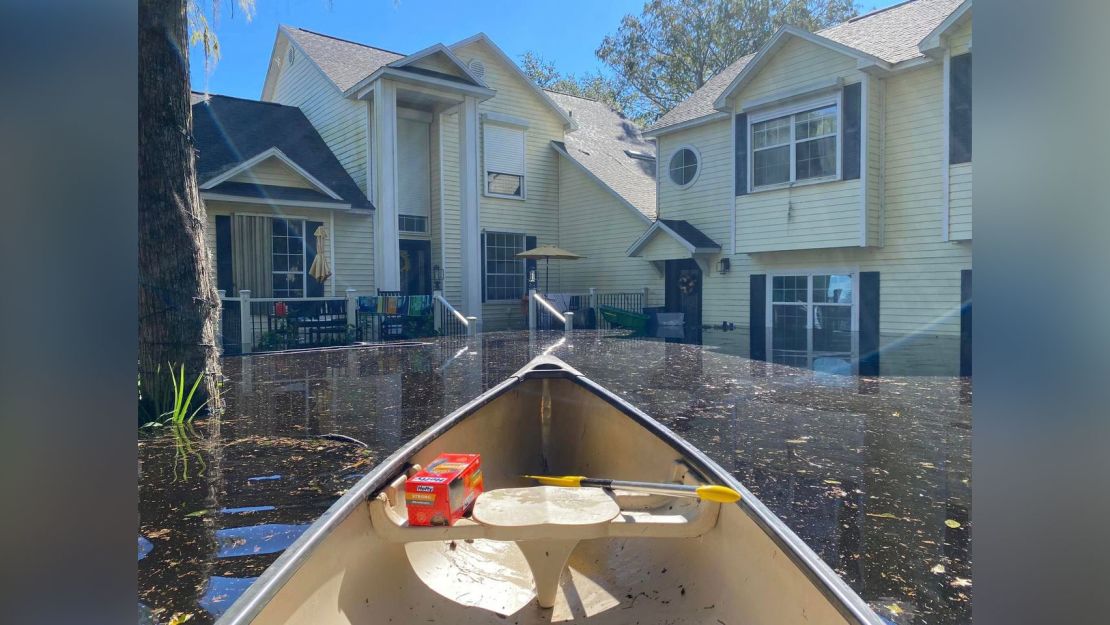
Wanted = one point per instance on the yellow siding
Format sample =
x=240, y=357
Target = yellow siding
x=804, y=217
x=272, y=171
x=353, y=236
x=538, y=214
x=452, y=233
x=919, y=273
x=876, y=90
x=340, y=121
x=959, y=40
x=959, y=201
x=598, y=226
x=662, y=246
x=797, y=64
x=438, y=63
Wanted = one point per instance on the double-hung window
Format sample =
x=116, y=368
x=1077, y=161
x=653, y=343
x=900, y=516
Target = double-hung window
x=504, y=160
x=801, y=144
x=504, y=271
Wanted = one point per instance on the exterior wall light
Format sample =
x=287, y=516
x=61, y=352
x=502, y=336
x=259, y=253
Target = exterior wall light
x=724, y=266
x=437, y=277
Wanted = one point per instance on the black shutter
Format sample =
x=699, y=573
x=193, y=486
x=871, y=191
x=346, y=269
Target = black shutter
x=530, y=266
x=741, y=156
x=965, y=322
x=757, y=316
x=482, y=244
x=959, y=109
x=869, y=323
x=313, y=288
x=224, y=276
x=852, y=131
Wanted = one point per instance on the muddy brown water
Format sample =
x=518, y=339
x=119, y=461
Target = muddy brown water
x=873, y=473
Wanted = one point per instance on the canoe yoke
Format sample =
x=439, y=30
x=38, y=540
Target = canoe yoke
x=547, y=522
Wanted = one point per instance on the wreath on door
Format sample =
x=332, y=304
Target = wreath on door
x=405, y=263
x=687, y=284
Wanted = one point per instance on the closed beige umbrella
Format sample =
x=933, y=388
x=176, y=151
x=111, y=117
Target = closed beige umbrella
x=320, y=268
x=548, y=252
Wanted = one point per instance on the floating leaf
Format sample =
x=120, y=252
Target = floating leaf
x=197, y=513
x=796, y=441
x=894, y=609
x=938, y=568
x=960, y=582
x=832, y=482
x=180, y=617
x=884, y=515
x=951, y=523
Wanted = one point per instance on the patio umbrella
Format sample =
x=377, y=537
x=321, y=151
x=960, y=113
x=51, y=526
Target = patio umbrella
x=320, y=269
x=547, y=252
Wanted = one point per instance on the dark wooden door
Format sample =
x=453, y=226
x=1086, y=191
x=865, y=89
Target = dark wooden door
x=683, y=286
x=416, y=267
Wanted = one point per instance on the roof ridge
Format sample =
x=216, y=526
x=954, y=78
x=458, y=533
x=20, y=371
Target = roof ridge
x=869, y=14
x=235, y=97
x=573, y=95
x=350, y=41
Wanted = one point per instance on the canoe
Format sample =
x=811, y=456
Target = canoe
x=624, y=318
x=541, y=554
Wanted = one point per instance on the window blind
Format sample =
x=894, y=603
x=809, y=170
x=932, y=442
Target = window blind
x=504, y=148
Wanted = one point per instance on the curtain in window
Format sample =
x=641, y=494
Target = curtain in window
x=252, y=254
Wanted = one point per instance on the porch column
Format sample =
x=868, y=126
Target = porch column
x=468, y=205
x=387, y=263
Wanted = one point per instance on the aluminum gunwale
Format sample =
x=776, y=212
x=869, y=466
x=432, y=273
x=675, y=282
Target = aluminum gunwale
x=259, y=594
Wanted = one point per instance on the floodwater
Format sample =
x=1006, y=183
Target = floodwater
x=873, y=473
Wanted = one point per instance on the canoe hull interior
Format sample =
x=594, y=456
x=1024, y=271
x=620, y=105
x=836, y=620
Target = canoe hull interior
x=736, y=572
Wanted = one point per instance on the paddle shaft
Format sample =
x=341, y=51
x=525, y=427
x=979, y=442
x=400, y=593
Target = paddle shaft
x=677, y=490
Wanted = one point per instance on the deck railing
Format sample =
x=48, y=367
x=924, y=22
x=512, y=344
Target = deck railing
x=260, y=324
x=538, y=306
x=449, y=321
x=586, y=307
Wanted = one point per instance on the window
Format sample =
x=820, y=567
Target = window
x=504, y=271
x=504, y=153
x=959, y=109
x=798, y=146
x=288, y=258
x=683, y=167
x=412, y=223
x=811, y=317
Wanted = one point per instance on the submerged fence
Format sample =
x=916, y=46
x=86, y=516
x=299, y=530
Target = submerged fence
x=586, y=308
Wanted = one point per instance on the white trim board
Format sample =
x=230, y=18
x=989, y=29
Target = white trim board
x=223, y=197
x=439, y=48
x=261, y=156
x=658, y=225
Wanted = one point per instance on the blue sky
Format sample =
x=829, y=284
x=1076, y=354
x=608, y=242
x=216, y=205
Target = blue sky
x=564, y=31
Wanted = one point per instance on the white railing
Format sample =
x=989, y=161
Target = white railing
x=449, y=321
x=534, y=300
x=589, y=301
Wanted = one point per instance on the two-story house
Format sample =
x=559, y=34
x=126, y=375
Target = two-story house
x=819, y=192
x=443, y=164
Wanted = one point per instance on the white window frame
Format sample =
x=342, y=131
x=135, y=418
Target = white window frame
x=793, y=109
x=810, y=307
x=304, y=257
x=485, y=161
x=403, y=216
x=697, y=170
x=485, y=265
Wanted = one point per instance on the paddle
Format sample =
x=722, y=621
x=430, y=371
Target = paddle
x=719, y=494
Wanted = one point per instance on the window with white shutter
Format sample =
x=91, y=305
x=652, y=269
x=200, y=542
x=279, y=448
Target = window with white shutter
x=504, y=158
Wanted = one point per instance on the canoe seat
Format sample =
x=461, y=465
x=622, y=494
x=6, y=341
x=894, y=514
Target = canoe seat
x=547, y=522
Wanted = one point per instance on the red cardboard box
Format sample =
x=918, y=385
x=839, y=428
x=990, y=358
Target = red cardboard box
x=443, y=492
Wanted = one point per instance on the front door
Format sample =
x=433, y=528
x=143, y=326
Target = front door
x=683, y=295
x=416, y=267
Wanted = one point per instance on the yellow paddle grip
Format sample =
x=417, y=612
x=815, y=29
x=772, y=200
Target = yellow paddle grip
x=570, y=481
x=719, y=494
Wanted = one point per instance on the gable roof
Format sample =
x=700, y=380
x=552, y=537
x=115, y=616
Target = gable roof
x=344, y=62
x=891, y=35
x=604, y=145
x=229, y=132
x=695, y=241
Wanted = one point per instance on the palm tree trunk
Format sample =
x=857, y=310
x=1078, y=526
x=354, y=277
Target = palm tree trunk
x=178, y=303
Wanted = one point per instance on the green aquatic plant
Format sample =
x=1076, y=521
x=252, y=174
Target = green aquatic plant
x=162, y=404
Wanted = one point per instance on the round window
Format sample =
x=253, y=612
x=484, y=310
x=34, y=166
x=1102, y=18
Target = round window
x=684, y=167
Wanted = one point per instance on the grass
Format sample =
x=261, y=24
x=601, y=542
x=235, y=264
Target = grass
x=164, y=404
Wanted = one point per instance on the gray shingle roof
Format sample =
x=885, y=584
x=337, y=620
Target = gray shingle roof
x=344, y=62
x=602, y=144
x=891, y=34
x=687, y=231
x=228, y=131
